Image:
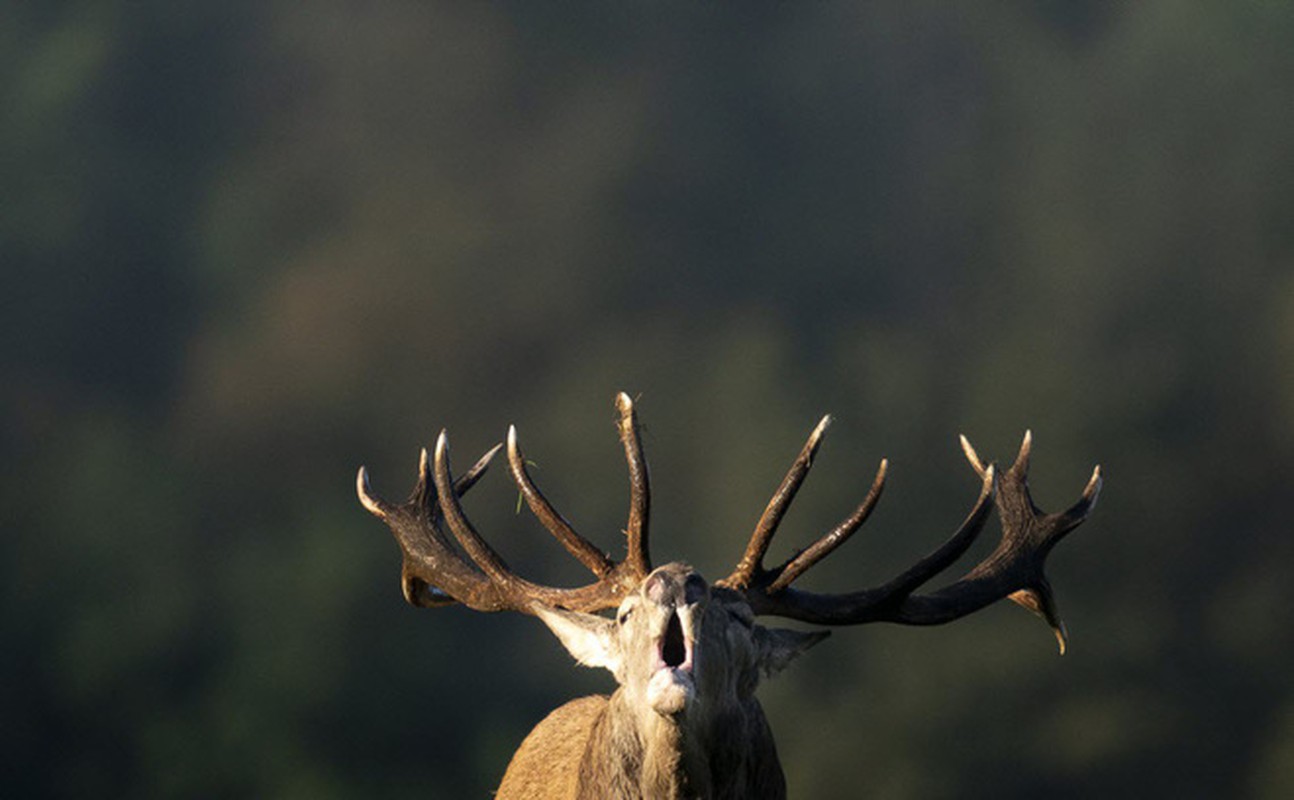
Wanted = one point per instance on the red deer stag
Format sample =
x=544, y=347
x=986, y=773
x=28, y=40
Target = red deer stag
x=687, y=654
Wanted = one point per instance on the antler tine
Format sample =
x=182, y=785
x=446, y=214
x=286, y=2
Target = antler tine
x=375, y=505
x=1052, y=527
x=424, y=493
x=436, y=572
x=837, y=536
x=588, y=554
x=468, y=479
x=1075, y=514
x=1036, y=533
x=637, y=528
x=1015, y=568
x=956, y=545
x=971, y=455
x=1021, y=464
x=751, y=565
x=876, y=604
x=433, y=572
x=477, y=548
x=505, y=590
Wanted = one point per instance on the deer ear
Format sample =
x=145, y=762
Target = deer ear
x=588, y=637
x=778, y=647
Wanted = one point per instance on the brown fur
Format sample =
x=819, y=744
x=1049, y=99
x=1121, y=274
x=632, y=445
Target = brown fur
x=547, y=765
x=592, y=749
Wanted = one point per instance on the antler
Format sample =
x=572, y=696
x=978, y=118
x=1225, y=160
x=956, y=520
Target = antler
x=436, y=573
x=1013, y=570
x=438, y=570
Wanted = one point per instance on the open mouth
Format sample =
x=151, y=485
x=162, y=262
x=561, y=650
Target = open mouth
x=674, y=648
x=672, y=685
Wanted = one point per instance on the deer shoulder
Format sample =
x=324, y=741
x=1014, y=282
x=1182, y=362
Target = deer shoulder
x=547, y=764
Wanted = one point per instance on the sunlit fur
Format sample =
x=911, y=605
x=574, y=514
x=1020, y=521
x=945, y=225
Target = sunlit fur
x=665, y=732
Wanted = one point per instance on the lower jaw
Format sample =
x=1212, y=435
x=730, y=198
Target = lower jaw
x=670, y=690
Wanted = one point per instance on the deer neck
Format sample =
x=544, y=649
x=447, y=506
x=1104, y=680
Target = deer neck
x=675, y=759
x=641, y=754
x=694, y=754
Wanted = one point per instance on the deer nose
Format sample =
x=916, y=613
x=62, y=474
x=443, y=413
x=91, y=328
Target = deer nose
x=659, y=587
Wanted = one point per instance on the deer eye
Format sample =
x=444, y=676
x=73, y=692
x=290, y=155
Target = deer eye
x=624, y=616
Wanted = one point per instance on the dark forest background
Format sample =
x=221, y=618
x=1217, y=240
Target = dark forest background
x=248, y=247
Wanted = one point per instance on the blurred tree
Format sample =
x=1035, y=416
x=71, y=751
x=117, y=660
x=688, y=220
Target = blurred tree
x=250, y=247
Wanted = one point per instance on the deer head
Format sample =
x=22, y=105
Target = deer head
x=688, y=655
x=674, y=639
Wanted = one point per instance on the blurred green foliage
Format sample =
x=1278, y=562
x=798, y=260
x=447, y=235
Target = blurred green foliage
x=249, y=246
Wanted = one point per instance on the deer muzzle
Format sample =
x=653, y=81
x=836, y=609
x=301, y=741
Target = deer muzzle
x=672, y=684
x=674, y=647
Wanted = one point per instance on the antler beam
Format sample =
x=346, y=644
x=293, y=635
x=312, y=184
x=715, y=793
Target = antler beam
x=1015, y=568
